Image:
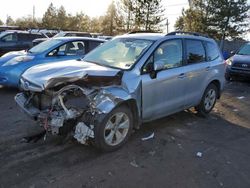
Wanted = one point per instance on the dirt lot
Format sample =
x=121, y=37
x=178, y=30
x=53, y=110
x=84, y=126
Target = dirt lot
x=167, y=160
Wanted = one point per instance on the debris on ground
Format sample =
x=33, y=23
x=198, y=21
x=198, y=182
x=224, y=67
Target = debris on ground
x=199, y=154
x=134, y=164
x=180, y=146
x=34, y=137
x=241, y=97
x=148, y=137
x=235, y=110
x=152, y=153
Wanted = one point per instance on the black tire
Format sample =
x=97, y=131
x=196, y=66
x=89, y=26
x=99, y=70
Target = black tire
x=100, y=130
x=205, y=107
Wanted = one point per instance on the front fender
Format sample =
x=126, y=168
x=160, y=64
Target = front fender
x=108, y=98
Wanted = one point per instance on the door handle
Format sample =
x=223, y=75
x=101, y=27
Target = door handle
x=207, y=68
x=182, y=75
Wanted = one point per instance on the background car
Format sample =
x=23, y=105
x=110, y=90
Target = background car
x=239, y=64
x=17, y=40
x=63, y=34
x=13, y=64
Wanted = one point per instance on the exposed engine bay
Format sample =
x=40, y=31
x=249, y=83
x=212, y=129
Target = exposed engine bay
x=70, y=108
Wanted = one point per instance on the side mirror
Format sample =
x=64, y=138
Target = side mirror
x=60, y=53
x=158, y=65
x=232, y=52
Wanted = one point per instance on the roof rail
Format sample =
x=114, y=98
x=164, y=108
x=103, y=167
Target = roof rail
x=187, y=33
x=142, y=31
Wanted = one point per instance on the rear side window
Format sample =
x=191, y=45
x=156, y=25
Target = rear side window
x=195, y=51
x=212, y=51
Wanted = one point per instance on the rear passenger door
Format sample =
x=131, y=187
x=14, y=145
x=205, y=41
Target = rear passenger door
x=196, y=71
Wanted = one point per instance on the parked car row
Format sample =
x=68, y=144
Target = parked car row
x=15, y=40
x=13, y=64
x=113, y=89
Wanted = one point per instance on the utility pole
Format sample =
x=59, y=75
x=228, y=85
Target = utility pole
x=33, y=13
x=167, y=24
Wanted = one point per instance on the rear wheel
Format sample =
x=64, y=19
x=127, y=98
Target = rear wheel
x=208, y=100
x=114, y=130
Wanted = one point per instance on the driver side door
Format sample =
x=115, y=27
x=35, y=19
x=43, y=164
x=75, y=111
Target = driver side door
x=163, y=90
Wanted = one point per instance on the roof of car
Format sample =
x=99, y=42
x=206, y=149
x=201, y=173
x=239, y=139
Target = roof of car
x=74, y=32
x=157, y=36
x=147, y=36
x=78, y=38
x=20, y=31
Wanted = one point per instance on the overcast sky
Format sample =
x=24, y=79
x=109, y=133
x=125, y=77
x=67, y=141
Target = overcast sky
x=22, y=8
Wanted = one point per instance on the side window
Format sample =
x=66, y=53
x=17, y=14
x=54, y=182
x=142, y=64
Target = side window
x=170, y=53
x=93, y=44
x=22, y=37
x=69, y=49
x=212, y=51
x=10, y=38
x=195, y=51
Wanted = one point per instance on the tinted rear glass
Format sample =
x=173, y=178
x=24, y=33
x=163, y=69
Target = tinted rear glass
x=212, y=51
x=195, y=51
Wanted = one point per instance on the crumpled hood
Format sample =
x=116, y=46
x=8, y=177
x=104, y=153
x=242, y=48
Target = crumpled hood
x=52, y=74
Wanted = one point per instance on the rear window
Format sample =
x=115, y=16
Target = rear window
x=195, y=51
x=212, y=51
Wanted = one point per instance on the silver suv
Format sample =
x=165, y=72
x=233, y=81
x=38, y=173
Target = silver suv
x=132, y=79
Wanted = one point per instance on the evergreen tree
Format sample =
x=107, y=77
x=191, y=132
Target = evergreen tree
x=49, y=19
x=143, y=14
x=26, y=22
x=219, y=19
x=10, y=21
x=112, y=23
x=62, y=19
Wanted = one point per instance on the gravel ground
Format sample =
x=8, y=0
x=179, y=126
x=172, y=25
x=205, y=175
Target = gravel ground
x=168, y=160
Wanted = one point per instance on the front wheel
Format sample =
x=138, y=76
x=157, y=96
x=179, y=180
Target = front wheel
x=114, y=130
x=208, y=100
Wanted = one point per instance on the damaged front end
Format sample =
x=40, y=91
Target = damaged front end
x=72, y=107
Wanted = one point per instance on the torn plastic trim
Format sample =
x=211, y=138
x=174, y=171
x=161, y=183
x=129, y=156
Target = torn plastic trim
x=83, y=132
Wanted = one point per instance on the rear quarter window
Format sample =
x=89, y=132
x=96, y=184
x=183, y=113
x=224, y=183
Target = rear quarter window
x=212, y=51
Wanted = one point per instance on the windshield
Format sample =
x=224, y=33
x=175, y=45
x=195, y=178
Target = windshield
x=119, y=53
x=3, y=34
x=44, y=46
x=245, y=50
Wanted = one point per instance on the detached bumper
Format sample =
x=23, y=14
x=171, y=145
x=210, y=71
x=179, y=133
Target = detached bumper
x=23, y=102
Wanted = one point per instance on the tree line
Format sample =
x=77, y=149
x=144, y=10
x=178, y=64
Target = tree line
x=219, y=19
x=121, y=16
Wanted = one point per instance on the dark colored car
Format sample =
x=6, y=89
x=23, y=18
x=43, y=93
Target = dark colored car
x=63, y=34
x=239, y=64
x=16, y=40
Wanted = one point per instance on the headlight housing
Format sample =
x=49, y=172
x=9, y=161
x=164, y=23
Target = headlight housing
x=18, y=59
x=229, y=62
